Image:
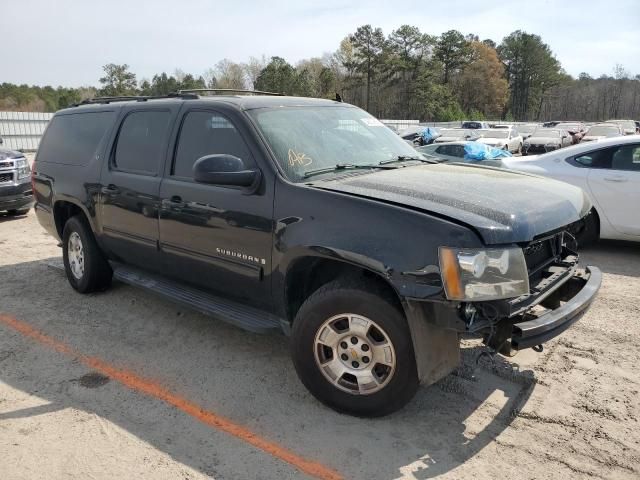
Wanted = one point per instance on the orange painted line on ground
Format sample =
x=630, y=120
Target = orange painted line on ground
x=153, y=389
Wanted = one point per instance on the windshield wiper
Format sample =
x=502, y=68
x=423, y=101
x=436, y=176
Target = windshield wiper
x=341, y=166
x=406, y=158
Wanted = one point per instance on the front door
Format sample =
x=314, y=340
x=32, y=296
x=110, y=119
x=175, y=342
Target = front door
x=213, y=237
x=130, y=185
x=616, y=187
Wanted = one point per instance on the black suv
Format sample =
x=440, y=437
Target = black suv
x=312, y=218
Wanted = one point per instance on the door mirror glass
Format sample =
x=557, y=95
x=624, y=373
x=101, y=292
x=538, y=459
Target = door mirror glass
x=223, y=169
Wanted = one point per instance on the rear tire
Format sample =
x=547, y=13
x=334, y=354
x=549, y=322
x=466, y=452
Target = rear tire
x=86, y=267
x=351, y=379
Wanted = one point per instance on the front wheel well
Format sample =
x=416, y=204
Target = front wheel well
x=62, y=212
x=308, y=274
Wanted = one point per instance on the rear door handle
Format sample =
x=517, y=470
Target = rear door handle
x=110, y=189
x=615, y=178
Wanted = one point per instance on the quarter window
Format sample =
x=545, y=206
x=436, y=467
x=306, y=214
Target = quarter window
x=141, y=141
x=74, y=139
x=206, y=133
x=595, y=159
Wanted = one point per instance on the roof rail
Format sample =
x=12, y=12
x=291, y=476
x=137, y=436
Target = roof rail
x=129, y=98
x=228, y=90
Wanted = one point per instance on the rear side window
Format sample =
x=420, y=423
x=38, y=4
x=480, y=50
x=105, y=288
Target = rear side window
x=626, y=158
x=596, y=159
x=141, y=142
x=206, y=133
x=74, y=139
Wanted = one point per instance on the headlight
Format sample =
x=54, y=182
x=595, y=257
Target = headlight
x=483, y=274
x=23, y=168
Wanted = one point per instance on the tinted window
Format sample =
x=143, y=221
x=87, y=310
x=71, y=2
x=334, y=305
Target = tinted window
x=626, y=158
x=596, y=159
x=74, y=139
x=141, y=141
x=206, y=133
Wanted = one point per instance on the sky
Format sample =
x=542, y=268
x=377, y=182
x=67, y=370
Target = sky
x=66, y=42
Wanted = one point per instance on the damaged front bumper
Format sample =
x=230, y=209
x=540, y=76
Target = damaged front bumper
x=574, y=298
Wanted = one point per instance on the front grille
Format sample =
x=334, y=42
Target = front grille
x=541, y=253
x=6, y=177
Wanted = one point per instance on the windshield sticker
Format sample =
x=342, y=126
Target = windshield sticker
x=300, y=159
x=372, y=122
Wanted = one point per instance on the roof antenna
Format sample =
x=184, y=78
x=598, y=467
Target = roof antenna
x=338, y=97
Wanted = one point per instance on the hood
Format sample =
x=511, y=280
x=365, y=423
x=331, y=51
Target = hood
x=543, y=140
x=5, y=154
x=503, y=207
x=591, y=138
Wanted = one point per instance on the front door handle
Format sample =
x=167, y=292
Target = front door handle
x=615, y=178
x=110, y=189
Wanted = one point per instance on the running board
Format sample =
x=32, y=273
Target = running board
x=242, y=316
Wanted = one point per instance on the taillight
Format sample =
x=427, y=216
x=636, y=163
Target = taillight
x=33, y=178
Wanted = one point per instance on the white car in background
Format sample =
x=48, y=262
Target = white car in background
x=608, y=171
x=503, y=137
x=602, y=130
x=628, y=126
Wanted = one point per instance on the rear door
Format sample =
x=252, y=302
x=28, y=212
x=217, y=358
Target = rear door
x=130, y=184
x=218, y=238
x=616, y=187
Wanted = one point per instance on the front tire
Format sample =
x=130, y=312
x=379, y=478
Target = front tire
x=85, y=265
x=352, y=349
x=589, y=231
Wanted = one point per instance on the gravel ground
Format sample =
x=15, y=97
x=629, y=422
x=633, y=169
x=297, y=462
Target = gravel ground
x=569, y=412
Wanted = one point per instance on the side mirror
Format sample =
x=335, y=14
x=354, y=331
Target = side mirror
x=223, y=169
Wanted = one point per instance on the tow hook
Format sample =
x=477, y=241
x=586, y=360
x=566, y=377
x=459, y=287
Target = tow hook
x=538, y=348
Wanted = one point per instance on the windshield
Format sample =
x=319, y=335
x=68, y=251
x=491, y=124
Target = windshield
x=527, y=128
x=495, y=133
x=546, y=132
x=603, y=131
x=311, y=138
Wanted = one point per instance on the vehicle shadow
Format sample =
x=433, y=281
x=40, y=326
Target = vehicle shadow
x=245, y=377
x=613, y=256
x=6, y=217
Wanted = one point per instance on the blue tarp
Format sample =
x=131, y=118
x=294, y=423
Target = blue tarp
x=481, y=151
x=429, y=134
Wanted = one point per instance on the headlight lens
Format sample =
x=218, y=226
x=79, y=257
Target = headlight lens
x=483, y=274
x=23, y=168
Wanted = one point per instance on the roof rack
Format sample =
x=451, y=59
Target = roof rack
x=129, y=98
x=228, y=90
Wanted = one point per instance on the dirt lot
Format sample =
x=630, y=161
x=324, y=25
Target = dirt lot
x=188, y=397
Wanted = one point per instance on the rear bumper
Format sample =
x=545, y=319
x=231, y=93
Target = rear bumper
x=536, y=331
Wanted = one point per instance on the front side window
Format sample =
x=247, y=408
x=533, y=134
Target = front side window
x=318, y=137
x=206, y=133
x=141, y=142
x=626, y=158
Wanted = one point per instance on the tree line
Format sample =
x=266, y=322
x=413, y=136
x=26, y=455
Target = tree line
x=406, y=74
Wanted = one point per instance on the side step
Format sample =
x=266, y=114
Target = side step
x=247, y=318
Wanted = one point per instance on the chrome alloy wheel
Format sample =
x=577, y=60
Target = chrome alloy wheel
x=75, y=255
x=354, y=354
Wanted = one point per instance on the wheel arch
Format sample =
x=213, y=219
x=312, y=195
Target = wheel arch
x=308, y=273
x=64, y=209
